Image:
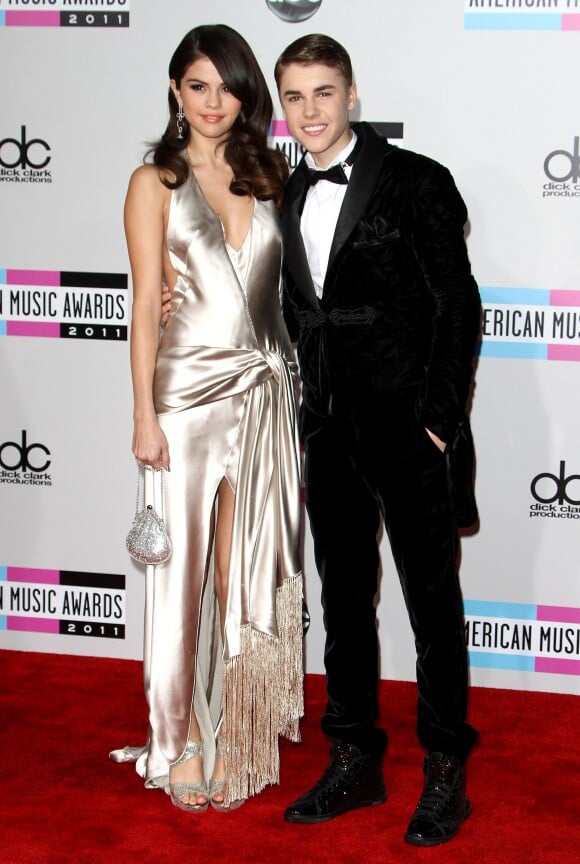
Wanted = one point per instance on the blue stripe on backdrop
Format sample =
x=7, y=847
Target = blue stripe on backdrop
x=527, y=296
x=516, y=662
x=539, y=21
x=2, y=579
x=493, y=609
x=516, y=350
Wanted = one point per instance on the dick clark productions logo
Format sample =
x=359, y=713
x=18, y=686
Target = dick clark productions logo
x=24, y=152
x=556, y=495
x=294, y=11
x=562, y=168
x=24, y=159
x=25, y=463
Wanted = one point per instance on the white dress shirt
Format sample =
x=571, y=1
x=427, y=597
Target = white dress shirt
x=320, y=215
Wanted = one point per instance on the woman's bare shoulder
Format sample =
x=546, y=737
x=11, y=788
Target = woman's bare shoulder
x=147, y=180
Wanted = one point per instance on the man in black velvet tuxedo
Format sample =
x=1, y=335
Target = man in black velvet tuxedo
x=380, y=298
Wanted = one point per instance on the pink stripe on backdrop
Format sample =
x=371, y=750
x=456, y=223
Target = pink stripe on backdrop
x=30, y=574
x=32, y=625
x=570, y=22
x=556, y=666
x=32, y=328
x=563, y=352
x=565, y=298
x=32, y=277
x=564, y=614
x=280, y=127
x=32, y=19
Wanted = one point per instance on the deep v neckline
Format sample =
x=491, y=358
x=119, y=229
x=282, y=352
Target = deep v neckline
x=218, y=219
x=247, y=239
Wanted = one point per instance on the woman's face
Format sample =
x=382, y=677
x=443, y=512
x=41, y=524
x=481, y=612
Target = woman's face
x=209, y=106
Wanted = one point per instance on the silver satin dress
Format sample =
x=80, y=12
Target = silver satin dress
x=224, y=394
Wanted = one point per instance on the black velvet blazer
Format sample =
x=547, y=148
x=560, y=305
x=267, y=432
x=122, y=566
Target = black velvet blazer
x=400, y=308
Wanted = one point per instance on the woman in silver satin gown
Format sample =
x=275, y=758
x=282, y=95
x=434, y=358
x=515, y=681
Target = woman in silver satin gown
x=214, y=402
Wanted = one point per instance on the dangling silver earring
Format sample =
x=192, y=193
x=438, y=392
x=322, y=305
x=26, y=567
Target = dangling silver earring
x=179, y=118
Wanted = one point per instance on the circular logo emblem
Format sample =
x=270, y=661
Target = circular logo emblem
x=294, y=10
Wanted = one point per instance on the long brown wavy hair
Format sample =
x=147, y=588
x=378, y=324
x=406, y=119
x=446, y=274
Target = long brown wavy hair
x=258, y=170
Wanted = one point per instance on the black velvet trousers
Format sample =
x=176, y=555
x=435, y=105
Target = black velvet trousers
x=363, y=463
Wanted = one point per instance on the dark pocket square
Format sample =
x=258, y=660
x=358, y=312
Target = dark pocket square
x=377, y=232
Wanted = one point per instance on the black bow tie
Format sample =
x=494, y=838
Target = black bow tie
x=334, y=175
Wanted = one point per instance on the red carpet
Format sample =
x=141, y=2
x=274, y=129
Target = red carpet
x=61, y=800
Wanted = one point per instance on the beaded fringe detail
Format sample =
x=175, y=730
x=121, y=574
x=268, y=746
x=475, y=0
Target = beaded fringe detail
x=263, y=698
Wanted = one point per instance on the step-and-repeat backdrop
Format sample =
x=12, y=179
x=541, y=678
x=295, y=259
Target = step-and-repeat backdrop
x=487, y=88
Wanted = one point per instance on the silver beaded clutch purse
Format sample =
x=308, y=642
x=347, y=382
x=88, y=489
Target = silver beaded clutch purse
x=148, y=540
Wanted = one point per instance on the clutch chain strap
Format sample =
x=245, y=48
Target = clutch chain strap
x=141, y=468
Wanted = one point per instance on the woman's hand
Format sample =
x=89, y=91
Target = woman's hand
x=150, y=444
x=165, y=303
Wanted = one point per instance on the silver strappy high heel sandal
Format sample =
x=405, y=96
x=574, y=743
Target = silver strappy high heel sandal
x=217, y=786
x=179, y=789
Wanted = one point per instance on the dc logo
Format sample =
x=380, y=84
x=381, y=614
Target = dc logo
x=555, y=488
x=24, y=153
x=294, y=10
x=16, y=456
x=561, y=165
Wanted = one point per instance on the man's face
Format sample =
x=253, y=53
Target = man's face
x=316, y=101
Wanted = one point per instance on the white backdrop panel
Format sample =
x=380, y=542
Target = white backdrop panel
x=491, y=103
